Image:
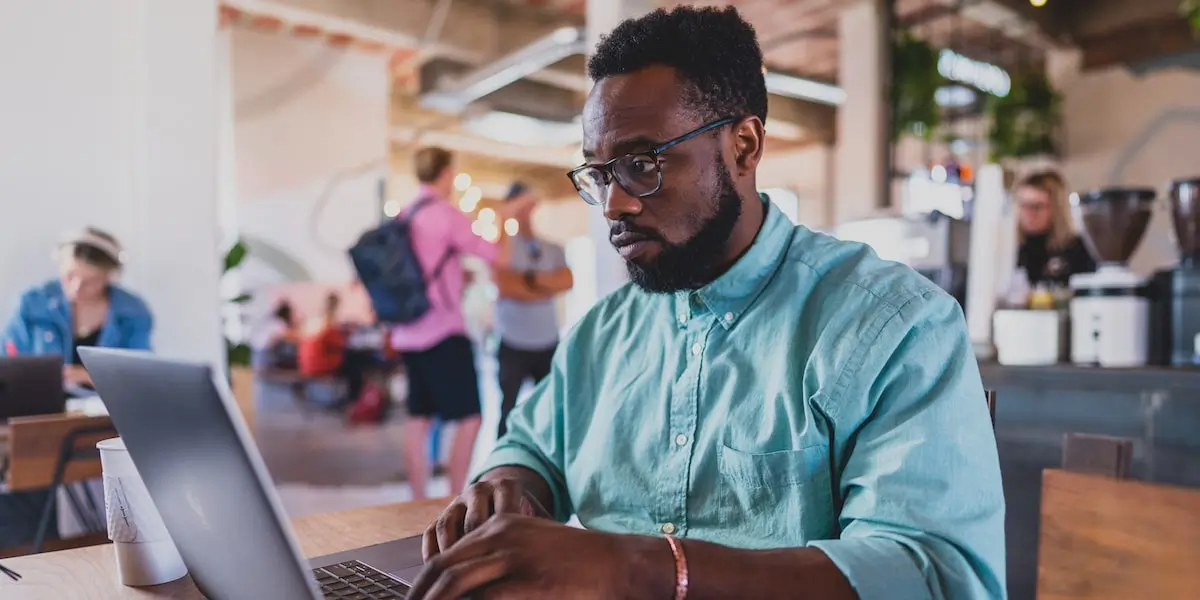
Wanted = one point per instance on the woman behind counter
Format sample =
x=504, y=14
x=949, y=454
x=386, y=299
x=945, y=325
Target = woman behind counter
x=1049, y=249
x=83, y=307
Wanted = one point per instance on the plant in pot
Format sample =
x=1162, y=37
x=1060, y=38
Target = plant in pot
x=1191, y=11
x=1024, y=123
x=915, y=83
x=237, y=354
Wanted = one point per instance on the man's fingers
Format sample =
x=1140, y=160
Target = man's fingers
x=449, y=526
x=458, y=580
x=478, y=501
x=506, y=497
x=429, y=544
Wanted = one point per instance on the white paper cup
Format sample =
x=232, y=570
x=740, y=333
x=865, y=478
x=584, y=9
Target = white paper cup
x=144, y=550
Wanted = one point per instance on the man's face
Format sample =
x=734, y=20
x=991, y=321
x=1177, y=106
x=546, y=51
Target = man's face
x=674, y=239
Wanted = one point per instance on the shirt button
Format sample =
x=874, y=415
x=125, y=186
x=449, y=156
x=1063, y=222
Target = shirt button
x=680, y=440
x=728, y=316
x=49, y=337
x=668, y=528
x=697, y=349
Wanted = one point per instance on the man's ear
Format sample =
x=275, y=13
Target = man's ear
x=749, y=138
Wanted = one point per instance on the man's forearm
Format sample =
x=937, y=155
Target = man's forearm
x=716, y=571
x=533, y=483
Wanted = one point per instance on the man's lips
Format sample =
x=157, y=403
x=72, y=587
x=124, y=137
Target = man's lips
x=630, y=244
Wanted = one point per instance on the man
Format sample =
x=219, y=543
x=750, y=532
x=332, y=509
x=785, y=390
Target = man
x=526, y=317
x=766, y=412
x=438, y=356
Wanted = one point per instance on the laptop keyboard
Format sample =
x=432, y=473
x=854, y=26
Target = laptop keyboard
x=353, y=580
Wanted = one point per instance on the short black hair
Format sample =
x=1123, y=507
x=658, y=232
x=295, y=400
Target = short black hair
x=714, y=51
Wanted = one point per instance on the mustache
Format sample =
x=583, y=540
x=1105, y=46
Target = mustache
x=626, y=228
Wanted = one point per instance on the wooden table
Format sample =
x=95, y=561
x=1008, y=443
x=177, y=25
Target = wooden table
x=90, y=573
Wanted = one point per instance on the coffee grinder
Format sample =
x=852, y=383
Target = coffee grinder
x=1176, y=311
x=1110, y=313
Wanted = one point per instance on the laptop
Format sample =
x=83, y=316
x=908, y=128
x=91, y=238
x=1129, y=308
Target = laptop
x=31, y=385
x=209, y=483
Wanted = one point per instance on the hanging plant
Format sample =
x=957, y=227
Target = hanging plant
x=915, y=83
x=1191, y=11
x=1024, y=122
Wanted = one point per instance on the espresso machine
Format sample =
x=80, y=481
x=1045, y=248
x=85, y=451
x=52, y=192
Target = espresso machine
x=933, y=244
x=1176, y=295
x=1110, y=311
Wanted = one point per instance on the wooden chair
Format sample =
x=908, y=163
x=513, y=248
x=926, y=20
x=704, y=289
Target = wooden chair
x=990, y=396
x=52, y=452
x=1105, y=537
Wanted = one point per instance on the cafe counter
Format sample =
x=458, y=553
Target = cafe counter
x=1158, y=408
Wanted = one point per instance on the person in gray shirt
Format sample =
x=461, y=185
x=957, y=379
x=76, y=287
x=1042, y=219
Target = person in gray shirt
x=526, y=317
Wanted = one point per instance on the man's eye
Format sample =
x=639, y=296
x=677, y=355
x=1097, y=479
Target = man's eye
x=641, y=166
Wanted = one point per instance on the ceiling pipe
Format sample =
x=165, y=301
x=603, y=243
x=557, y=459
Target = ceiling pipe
x=456, y=93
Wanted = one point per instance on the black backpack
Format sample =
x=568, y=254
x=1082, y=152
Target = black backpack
x=389, y=269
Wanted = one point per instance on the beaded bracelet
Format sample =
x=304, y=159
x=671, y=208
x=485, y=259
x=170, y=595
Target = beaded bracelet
x=681, y=568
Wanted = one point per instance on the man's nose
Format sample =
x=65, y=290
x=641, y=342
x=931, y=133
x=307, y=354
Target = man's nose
x=620, y=203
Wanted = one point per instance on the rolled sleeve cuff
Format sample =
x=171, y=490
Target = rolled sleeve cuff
x=515, y=456
x=878, y=569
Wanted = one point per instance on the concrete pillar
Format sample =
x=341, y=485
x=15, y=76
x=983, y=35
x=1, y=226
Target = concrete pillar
x=603, y=16
x=110, y=119
x=862, y=136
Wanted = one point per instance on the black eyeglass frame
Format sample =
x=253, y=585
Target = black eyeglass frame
x=653, y=154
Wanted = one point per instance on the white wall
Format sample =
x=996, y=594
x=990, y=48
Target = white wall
x=1125, y=130
x=310, y=137
x=108, y=118
x=808, y=173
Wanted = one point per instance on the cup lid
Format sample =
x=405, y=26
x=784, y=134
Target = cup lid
x=116, y=443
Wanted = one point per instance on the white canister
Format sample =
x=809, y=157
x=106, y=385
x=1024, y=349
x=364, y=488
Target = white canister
x=1027, y=337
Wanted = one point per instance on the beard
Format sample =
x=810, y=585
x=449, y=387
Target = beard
x=696, y=261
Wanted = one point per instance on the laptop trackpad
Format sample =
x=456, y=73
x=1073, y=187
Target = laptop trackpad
x=408, y=574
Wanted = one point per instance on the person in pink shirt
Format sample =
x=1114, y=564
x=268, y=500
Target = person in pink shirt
x=438, y=356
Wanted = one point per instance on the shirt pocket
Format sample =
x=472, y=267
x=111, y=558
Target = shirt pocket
x=780, y=498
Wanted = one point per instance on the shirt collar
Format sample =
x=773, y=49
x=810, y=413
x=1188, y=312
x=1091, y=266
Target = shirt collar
x=428, y=191
x=731, y=294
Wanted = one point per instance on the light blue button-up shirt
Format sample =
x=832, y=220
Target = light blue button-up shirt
x=813, y=395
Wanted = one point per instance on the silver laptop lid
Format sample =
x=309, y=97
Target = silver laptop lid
x=206, y=477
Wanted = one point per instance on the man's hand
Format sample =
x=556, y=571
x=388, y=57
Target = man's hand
x=520, y=557
x=476, y=506
x=76, y=375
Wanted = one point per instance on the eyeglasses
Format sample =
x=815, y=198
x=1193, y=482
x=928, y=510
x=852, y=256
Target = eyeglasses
x=639, y=173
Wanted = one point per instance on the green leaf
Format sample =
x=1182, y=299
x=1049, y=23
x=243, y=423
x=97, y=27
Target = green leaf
x=237, y=354
x=242, y=299
x=235, y=255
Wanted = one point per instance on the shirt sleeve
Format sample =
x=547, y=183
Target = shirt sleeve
x=465, y=241
x=535, y=438
x=14, y=338
x=923, y=507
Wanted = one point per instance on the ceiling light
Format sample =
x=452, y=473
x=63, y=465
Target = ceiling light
x=462, y=181
x=1038, y=3
x=470, y=199
x=391, y=208
x=512, y=227
x=512, y=128
x=804, y=89
x=487, y=215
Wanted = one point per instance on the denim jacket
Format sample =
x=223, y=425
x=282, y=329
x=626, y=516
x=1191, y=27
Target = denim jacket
x=42, y=323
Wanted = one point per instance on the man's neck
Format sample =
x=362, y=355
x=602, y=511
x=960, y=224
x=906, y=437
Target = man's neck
x=754, y=214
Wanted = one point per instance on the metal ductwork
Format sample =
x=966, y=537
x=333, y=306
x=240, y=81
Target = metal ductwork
x=456, y=93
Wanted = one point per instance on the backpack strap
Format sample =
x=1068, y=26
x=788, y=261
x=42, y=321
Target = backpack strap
x=415, y=208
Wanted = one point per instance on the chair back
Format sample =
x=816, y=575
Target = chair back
x=990, y=396
x=36, y=446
